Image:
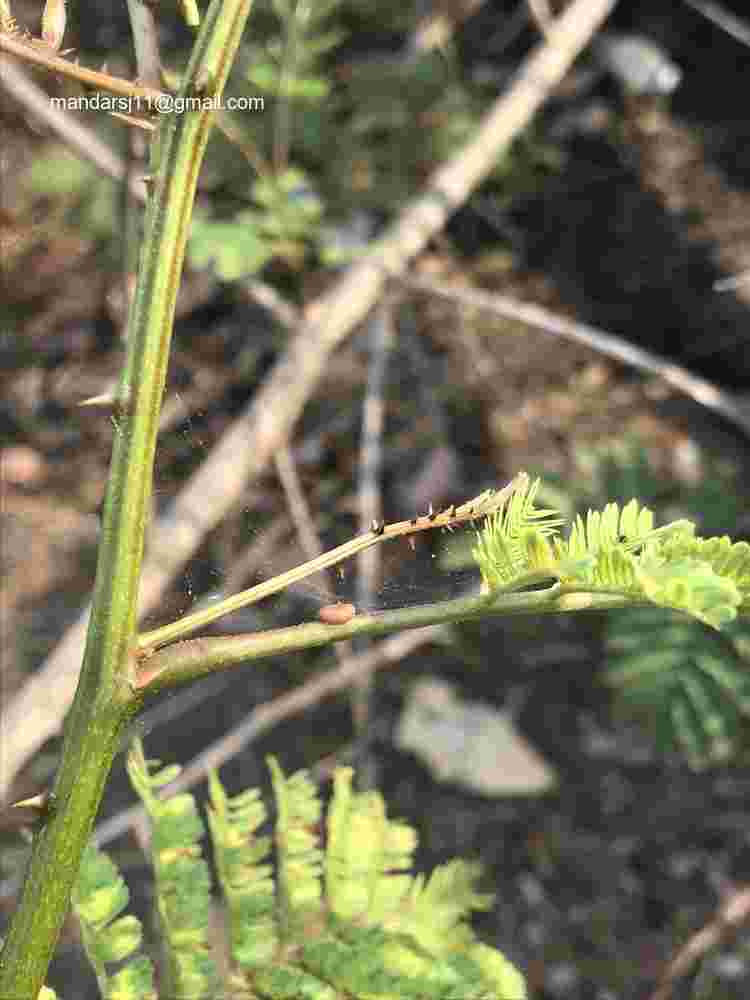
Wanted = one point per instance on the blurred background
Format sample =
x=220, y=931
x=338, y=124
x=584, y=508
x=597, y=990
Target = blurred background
x=607, y=800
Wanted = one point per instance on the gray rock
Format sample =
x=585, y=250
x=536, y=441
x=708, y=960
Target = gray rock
x=640, y=64
x=470, y=743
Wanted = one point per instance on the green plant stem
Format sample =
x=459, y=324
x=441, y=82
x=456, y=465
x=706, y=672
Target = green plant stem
x=105, y=699
x=193, y=658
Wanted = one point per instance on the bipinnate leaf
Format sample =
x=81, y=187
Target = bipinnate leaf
x=119, y=940
x=508, y=981
x=376, y=933
x=290, y=982
x=617, y=551
x=692, y=683
x=99, y=896
x=298, y=853
x=691, y=585
x=133, y=981
x=366, y=854
x=630, y=526
x=101, y=893
x=245, y=874
x=501, y=549
x=183, y=882
x=727, y=559
x=436, y=911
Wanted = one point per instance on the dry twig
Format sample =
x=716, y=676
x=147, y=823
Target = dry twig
x=380, y=339
x=81, y=139
x=723, y=19
x=733, y=913
x=698, y=389
x=48, y=59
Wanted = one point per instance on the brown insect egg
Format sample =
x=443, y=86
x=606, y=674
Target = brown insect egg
x=337, y=614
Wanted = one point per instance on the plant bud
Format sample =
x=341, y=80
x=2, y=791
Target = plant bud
x=337, y=614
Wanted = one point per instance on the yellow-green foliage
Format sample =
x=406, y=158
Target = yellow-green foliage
x=245, y=875
x=298, y=855
x=689, y=683
x=183, y=881
x=502, y=549
x=347, y=922
x=362, y=843
x=99, y=898
x=617, y=550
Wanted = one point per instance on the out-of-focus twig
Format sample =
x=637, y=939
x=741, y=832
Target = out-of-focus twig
x=298, y=509
x=146, y=47
x=46, y=58
x=699, y=389
x=541, y=14
x=145, y=42
x=245, y=449
x=82, y=140
x=267, y=296
x=723, y=19
x=733, y=913
x=305, y=527
x=380, y=339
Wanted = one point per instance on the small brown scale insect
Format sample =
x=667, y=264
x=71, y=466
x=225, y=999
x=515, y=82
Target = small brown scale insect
x=337, y=614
